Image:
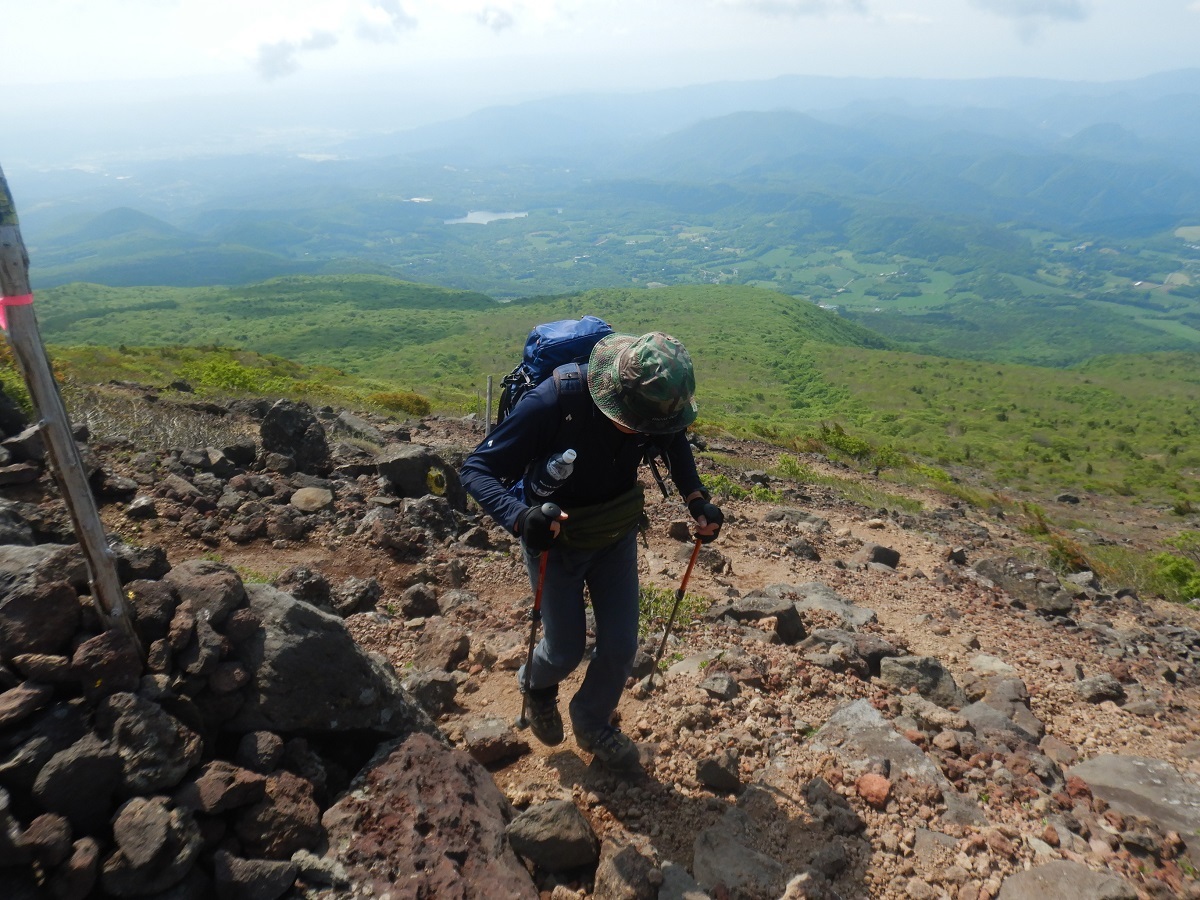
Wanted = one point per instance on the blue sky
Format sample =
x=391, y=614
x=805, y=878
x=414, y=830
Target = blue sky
x=534, y=45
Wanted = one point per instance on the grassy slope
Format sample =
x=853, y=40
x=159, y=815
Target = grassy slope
x=446, y=342
x=767, y=364
x=1123, y=424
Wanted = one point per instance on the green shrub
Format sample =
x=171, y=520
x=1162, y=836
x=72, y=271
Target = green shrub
x=835, y=437
x=1179, y=576
x=722, y=486
x=1187, y=543
x=891, y=458
x=229, y=375
x=407, y=402
x=933, y=473
x=790, y=467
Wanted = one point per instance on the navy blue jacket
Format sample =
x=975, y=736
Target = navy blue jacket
x=544, y=423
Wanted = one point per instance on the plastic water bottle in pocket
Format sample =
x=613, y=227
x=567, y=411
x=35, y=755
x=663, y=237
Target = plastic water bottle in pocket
x=553, y=475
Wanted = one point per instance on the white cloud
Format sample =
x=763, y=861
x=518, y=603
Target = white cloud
x=383, y=20
x=495, y=18
x=319, y=40
x=798, y=7
x=276, y=60
x=1029, y=15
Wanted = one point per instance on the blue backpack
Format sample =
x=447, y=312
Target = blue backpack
x=549, y=346
x=560, y=349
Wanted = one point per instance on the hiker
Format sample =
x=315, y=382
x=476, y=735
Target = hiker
x=640, y=390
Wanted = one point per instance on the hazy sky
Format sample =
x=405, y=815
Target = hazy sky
x=595, y=44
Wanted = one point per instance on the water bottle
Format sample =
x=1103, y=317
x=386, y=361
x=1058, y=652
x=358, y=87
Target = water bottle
x=552, y=475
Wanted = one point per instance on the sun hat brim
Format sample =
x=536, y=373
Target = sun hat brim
x=615, y=398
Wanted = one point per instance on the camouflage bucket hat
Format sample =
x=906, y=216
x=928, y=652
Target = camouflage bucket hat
x=645, y=383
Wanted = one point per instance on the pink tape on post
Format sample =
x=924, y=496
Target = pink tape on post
x=5, y=302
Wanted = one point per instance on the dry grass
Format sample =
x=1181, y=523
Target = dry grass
x=113, y=417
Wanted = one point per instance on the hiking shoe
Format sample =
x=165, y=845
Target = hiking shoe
x=541, y=706
x=611, y=747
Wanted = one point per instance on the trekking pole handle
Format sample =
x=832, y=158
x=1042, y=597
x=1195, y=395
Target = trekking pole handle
x=551, y=510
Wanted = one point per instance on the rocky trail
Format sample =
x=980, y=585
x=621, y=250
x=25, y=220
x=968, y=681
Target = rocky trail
x=858, y=702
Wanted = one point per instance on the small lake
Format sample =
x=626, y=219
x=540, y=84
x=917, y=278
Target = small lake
x=483, y=216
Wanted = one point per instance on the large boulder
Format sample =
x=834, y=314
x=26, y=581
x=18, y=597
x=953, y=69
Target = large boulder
x=291, y=429
x=307, y=674
x=41, y=564
x=931, y=679
x=156, y=848
x=555, y=836
x=208, y=589
x=414, y=470
x=760, y=605
x=1034, y=587
x=1064, y=880
x=814, y=596
x=38, y=618
x=155, y=748
x=726, y=863
x=451, y=838
x=1142, y=786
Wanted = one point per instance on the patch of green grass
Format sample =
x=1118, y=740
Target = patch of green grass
x=253, y=576
x=855, y=490
x=722, y=486
x=866, y=495
x=654, y=609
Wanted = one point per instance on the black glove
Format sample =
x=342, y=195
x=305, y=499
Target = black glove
x=702, y=506
x=534, y=526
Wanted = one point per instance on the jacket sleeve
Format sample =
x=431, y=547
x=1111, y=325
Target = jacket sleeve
x=683, y=464
x=524, y=435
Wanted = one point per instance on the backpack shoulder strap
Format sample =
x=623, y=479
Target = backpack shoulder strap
x=570, y=382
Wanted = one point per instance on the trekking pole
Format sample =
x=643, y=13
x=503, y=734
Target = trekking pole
x=550, y=511
x=678, y=597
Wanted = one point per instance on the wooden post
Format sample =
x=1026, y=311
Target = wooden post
x=30, y=354
x=487, y=421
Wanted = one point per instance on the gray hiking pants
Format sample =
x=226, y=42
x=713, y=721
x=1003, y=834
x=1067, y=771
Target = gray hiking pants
x=612, y=582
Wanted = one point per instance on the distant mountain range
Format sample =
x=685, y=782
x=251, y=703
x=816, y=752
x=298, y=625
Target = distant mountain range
x=924, y=208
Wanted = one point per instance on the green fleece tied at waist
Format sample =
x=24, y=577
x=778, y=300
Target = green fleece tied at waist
x=596, y=526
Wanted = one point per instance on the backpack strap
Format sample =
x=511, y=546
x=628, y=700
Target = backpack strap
x=654, y=452
x=570, y=379
x=570, y=386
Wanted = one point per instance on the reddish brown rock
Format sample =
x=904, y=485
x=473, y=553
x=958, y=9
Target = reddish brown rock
x=1077, y=788
x=220, y=787
x=874, y=790
x=428, y=812
x=48, y=839
x=106, y=664
x=284, y=821
x=22, y=701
